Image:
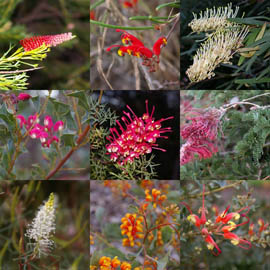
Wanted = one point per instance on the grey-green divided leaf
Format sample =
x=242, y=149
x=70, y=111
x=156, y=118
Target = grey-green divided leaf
x=112, y=231
x=68, y=137
x=82, y=97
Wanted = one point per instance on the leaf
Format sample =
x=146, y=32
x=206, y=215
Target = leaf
x=68, y=137
x=100, y=214
x=162, y=263
x=82, y=98
x=249, y=21
x=75, y=264
x=112, y=231
x=253, y=81
x=175, y=4
x=60, y=107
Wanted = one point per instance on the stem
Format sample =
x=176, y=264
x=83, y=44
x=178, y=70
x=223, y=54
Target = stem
x=122, y=27
x=212, y=191
x=68, y=155
x=174, y=25
x=19, y=71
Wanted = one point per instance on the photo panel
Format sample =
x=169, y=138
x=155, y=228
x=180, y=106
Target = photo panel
x=224, y=44
x=134, y=45
x=134, y=224
x=135, y=135
x=44, y=224
x=224, y=224
x=44, y=44
x=224, y=134
x=44, y=135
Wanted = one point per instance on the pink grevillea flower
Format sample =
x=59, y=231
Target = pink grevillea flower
x=200, y=135
x=32, y=43
x=45, y=133
x=137, y=138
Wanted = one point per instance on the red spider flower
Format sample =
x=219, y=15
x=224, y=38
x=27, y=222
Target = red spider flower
x=92, y=15
x=135, y=47
x=222, y=226
x=236, y=240
x=211, y=244
x=129, y=4
x=137, y=138
x=32, y=43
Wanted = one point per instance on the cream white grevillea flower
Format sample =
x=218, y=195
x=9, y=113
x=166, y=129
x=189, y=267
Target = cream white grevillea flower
x=218, y=48
x=213, y=19
x=43, y=227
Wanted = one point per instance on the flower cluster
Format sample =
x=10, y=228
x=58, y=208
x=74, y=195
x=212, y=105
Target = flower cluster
x=200, y=135
x=213, y=19
x=218, y=48
x=44, y=133
x=106, y=263
x=135, y=47
x=222, y=226
x=261, y=234
x=156, y=198
x=43, y=227
x=131, y=227
x=32, y=43
x=117, y=186
x=139, y=137
x=148, y=265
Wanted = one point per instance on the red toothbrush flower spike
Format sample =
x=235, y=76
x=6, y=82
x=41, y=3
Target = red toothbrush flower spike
x=137, y=138
x=32, y=43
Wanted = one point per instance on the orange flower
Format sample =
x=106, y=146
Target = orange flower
x=125, y=266
x=159, y=238
x=106, y=263
x=132, y=228
x=156, y=197
x=91, y=240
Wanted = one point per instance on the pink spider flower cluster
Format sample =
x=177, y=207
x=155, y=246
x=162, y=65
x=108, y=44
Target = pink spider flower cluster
x=46, y=133
x=137, y=138
x=222, y=226
x=200, y=135
x=32, y=43
x=135, y=47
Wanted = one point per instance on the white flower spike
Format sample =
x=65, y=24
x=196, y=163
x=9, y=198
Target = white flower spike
x=43, y=227
x=218, y=48
x=213, y=19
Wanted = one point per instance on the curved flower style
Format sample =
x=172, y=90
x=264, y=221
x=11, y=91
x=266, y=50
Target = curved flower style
x=132, y=228
x=139, y=137
x=43, y=227
x=213, y=19
x=218, y=48
x=32, y=43
x=135, y=47
x=200, y=134
x=44, y=133
x=223, y=226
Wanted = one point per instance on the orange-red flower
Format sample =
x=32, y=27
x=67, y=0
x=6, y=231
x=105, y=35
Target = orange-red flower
x=156, y=198
x=236, y=240
x=211, y=244
x=132, y=227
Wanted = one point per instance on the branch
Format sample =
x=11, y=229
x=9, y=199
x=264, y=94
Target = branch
x=68, y=155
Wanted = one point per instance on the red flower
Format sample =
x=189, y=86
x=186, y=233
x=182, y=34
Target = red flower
x=23, y=96
x=211, y=244
x=49, y=40
x=236, y=240
x=137, y=138
x=92, y=15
